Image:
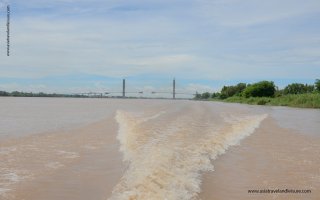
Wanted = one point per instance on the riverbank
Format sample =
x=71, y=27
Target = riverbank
x=311, y=100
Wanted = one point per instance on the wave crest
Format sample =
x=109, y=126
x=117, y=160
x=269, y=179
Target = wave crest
x=165, y=160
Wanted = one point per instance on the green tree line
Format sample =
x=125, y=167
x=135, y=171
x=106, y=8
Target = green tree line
x=260, y=89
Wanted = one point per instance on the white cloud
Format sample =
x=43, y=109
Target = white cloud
x=241, y=13
x=204, y=39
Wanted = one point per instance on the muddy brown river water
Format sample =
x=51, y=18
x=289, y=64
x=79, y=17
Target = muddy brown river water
x=80, y=149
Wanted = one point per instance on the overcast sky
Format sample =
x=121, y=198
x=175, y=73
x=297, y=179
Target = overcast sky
x=78, y=45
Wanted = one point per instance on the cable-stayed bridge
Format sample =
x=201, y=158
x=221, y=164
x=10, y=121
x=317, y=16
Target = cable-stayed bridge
x=126, y=94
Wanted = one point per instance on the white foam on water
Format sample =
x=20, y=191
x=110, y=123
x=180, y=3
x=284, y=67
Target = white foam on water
x=89, y=147
x=54, y=165
x=10, y=177
x=68, y=154
x=7, y=150
x=153, y=116
x=166, y=162
x=3, y=192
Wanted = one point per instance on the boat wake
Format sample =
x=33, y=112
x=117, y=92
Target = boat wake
x=167, y=152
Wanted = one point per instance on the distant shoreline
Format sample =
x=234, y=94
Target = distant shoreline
x=96, y=97
x=308, y=100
